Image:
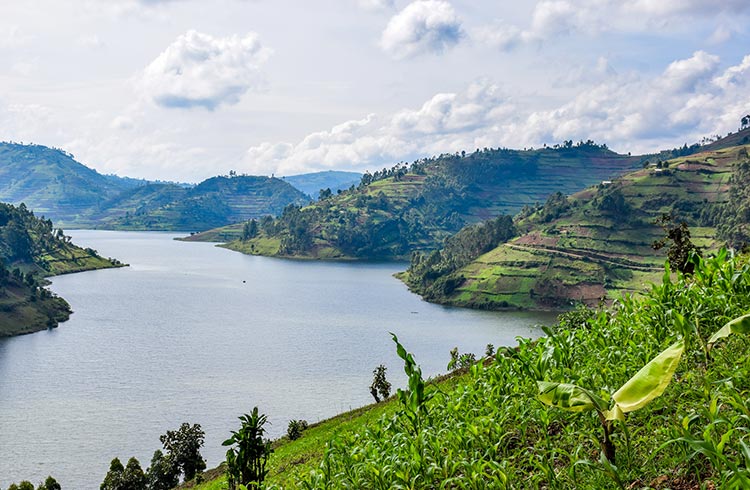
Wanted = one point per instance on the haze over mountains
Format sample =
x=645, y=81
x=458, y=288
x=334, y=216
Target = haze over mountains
x=53, y=184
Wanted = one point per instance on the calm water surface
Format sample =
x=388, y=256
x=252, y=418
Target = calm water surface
x=194, y=333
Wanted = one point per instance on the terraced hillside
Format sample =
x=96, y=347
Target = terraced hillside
x=593, y=243
x=53, y=184
x=396, y=211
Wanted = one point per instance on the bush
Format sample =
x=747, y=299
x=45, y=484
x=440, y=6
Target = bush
x=295, y=429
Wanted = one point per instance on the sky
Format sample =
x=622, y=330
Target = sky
x=183, y=90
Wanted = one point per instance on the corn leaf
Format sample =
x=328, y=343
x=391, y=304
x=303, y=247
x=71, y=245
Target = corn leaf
x=650, y=381
x=738, y=325
x=568, y=397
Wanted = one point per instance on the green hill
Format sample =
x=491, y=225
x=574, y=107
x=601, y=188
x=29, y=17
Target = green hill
x=31, y=249
x=396, y=211
x=215, y=202
x=50, y=182
x=591, y=244
x=312, y=183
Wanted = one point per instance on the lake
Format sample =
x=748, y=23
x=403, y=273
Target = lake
x=195, y=333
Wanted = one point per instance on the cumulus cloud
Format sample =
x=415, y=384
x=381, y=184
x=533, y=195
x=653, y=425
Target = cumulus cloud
x=424, y=26
x=689, y=99
x=552, y=19
x=198, y=70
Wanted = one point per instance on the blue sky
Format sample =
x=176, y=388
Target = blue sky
x=187, y=89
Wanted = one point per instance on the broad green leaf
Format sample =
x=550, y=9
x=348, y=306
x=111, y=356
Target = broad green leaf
x=650, y=381
x=568, y=397
x=738, y=325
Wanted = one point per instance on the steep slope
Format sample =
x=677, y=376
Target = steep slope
x=52, y=183
x=395, y=211
x=593, y=243
x=215, y=202
x=30, y=249
x=312, y=183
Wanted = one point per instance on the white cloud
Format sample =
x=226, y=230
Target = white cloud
x=690, y=99
x=122, y=123
x=198, y=70
x=424, y=26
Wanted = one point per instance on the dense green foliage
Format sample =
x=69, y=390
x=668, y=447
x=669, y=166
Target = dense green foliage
x=30, y=249
x=395, y=211
x=491, y=432
x=733, y=218
x=48, y=484
x=432, y=275
x=181, y=456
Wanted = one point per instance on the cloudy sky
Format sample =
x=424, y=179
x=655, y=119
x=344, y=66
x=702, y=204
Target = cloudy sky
x=187, y=89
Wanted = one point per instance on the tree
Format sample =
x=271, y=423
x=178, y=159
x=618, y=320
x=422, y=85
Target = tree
x=249, y=230
x=50, y=484
x=745, y=121
x=183, y=448
x=681, y=249
x=246, y=459
x=380, y=386
x=113, y=478
x=133, y=477
x=162, y=474
x=295, y=428
x=324, y=194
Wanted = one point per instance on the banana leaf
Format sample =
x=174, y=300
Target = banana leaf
x=738, y=325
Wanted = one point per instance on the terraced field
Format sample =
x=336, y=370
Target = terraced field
x=590, y=252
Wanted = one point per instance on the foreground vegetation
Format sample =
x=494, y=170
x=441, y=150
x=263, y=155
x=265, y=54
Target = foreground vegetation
x=492, y=429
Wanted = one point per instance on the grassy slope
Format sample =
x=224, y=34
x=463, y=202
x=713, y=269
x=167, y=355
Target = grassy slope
x=292, y=460
x=486, y=184
x=586, y=253
x=52, y=183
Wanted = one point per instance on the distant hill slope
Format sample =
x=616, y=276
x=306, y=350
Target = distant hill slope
x=31, y=249
x=312, y=183
x=593, y=243
x=52, y=183
x=394, y=212
x=215, y=202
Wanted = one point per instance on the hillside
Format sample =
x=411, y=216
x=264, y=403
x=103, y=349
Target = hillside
x=50, y=182
x=396, y=211
x=215, y=202
x=680, y=423
x=312, y=183
x=31, y=249
x=591, y=244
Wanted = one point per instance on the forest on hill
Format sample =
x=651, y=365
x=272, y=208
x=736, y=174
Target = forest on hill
x=415, y=207
x=30, y=250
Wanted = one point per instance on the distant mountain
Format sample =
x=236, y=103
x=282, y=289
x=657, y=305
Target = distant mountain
x=394, y=212
x=31, y=249
x=596, y=242
x=312, y=183
x=215, y=202
x=50, y=182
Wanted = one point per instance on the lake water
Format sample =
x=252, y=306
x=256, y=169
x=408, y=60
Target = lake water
x=195, y=333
